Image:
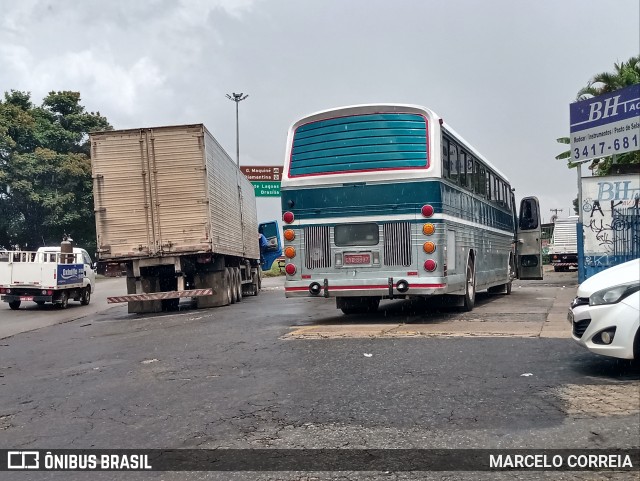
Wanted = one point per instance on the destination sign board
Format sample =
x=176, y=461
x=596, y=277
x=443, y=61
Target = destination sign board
x=262, y=172
x=266, y=189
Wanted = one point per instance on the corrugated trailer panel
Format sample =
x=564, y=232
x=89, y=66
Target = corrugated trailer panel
x=234, y=228
x=224, y=207
x=120, y=197
x=250, y=218
x=170, y=190
x=179, y=186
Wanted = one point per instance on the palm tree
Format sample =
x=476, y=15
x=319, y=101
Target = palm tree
x=625, y=74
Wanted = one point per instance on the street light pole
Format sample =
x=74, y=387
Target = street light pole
x=237, y=98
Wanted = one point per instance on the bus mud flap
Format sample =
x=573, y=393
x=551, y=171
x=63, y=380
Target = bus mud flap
x=390, y=281
x=326, y=288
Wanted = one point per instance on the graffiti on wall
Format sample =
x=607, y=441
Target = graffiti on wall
x=611, y=219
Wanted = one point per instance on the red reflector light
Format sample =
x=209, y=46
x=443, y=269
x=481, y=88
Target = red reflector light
x=288, y=217
x=306, y=276
x=412, y=273
x=427, y=210
x=49, y=293
x=430, y=265
x=290, y=269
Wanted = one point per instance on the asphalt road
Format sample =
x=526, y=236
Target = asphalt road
x=30, y=316
x=276, y=373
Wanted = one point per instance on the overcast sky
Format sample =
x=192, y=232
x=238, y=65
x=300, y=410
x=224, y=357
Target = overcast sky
x=502, y=73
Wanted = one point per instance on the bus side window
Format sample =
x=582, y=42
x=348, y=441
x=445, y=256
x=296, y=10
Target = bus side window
x=463, y=167
x=445, y=158
x=489, y=186
x=481, y=184
x=470, y=174
x=454, y=162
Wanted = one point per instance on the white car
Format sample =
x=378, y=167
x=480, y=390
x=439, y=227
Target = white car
x=605, y=316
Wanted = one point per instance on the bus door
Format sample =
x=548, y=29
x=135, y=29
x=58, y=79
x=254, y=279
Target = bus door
x=529, y=240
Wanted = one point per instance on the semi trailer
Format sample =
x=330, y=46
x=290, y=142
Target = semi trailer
x=177, y=212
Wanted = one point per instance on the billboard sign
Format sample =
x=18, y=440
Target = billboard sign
x=605, y=125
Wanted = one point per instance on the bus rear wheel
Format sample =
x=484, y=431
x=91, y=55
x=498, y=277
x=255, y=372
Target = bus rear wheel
x=470, y=288
x=357, y=305
x=14, y=305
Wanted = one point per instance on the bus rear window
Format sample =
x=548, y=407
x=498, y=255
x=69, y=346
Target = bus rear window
x=356, y=235
x=359, y=142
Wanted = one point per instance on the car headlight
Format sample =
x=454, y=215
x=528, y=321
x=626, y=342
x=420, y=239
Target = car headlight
x=614, y=294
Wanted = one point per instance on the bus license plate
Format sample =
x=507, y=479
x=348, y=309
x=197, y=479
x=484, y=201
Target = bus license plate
x=26, y=298
x=357, y=259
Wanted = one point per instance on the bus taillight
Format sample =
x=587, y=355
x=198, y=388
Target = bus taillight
x=288, y=217
x=429, y=247
x=427, y=210
x=290, y=252
x=289, y=235
x=430, y=265
x=290, y=269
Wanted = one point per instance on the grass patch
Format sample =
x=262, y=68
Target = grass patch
x=274, y=271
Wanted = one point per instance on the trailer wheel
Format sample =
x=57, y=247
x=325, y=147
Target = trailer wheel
x=230, y=281
x=14, y=305
x=257, y=282
x=86, y=296
x=238, y=284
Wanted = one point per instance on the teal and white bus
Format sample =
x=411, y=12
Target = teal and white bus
x=387, y=201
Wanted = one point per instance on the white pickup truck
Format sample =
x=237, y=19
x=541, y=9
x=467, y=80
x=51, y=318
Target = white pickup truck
x=46, y=275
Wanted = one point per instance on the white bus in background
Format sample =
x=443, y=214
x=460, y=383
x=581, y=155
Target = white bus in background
x=387, y=201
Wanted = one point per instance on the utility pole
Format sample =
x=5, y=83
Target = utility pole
x=555, y=211
x=237, y=98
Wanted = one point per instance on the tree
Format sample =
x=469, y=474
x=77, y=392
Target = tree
x=624, y=75
x=45, y=170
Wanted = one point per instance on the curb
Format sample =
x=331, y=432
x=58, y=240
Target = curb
x=556, y=324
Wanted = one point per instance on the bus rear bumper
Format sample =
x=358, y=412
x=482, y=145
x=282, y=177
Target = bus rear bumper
x=381, y=287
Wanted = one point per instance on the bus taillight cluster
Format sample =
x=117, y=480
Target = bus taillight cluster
x=290, y=251
x=428, y=229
